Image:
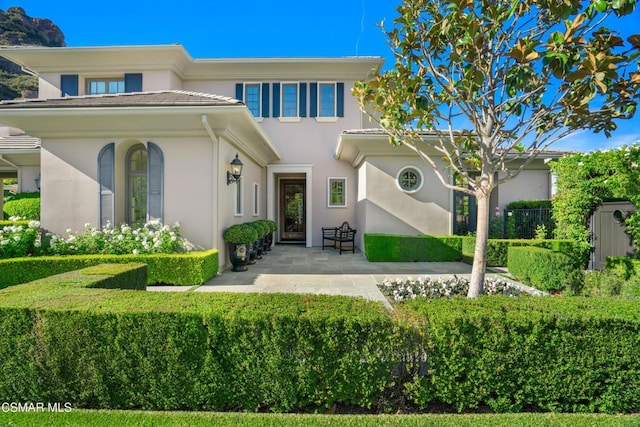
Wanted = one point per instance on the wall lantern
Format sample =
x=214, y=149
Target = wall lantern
x=236, y=171
x=37, y=180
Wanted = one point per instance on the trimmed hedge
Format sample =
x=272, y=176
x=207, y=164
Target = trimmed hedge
x=402, y=248
x=544, y=269
x=24, y=205
x=191, y=268
x=425, y=248
x=516, y=354
x=117, y=276
x=7, y=223
x=192, y=351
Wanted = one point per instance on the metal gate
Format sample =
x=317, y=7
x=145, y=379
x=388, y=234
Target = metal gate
x=608, y=233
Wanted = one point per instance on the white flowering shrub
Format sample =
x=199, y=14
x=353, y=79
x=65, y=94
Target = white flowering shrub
x=402, y=289
x=19, y=240
x=150, y=238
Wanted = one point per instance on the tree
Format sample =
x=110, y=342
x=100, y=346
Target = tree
x=499, y=81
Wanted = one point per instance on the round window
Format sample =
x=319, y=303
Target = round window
x=410, y=179
x=618, y=216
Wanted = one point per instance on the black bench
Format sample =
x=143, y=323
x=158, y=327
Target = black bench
x=339, y=235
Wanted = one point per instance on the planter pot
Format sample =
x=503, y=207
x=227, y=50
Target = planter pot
x=259, y=245
x=252, y=252
x=268, y=240
x=239, y=256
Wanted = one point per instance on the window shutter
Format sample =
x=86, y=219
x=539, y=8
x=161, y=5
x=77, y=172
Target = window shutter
x=69, y=85
x=155, y=182
x=106, y=180
x=313, y=99
x=303, y=100
x=276, y=100
x=265, y=99
x=239, y=91
x=133, y=82
x=340, y=99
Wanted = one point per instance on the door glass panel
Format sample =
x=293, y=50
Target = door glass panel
x=293, y=210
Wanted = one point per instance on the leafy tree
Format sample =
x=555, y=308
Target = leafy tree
x=511, y=76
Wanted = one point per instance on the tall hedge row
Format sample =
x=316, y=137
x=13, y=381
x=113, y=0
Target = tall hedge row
x=551, y=354
x=191, y=268
x=545, y=269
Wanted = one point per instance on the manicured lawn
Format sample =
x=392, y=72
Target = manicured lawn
x=139, y=418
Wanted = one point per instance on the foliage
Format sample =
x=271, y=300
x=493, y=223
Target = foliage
x=535, y=354
x=545, y=269
x=400, y=290
x=240, y=234
x=260, y=228
x=150, y=238
x=189, y=268
x=512, y=76
x=402, y=248
x=585, y=180
x=530, y=204
x=18, y=239
x=24, y=205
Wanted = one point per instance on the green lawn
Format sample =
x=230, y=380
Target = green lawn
x=139, y=418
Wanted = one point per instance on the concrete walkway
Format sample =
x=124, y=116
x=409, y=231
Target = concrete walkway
x=297, y=269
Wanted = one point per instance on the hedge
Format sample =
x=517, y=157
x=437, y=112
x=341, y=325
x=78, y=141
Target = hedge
x=516, y=354
x=102, y=348
x=401, y=248
x=191, y=268
x=425, y=248
x=24, y=205
x=544, y=269
x=192, y=351
x=117, y=276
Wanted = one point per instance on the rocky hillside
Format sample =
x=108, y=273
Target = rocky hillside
x=19, y=29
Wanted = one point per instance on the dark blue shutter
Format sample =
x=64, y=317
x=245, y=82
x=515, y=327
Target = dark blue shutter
x=155, y=182
x=313, y=99
x=239, y=91
x=340, y=99
x=265, y=99
x=276, y=100
x=133, y=82
x=69, y=85
x=303, y=100
x=106, y=183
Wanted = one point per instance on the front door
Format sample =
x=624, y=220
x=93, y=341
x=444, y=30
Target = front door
x=292, y=210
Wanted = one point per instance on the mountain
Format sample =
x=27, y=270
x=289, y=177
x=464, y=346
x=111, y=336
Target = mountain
x=19, y=29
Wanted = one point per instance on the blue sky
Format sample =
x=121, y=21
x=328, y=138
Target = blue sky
x=251, y=28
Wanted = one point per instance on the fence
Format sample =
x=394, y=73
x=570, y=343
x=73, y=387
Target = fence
x=524, y=223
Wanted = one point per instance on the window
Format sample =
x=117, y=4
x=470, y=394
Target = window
x=327, y=99
x=409, y=179
x=102, y=86
x=256, y=199
x=336, y=192
x=252, y=98
x=137, y=185
x=239, y=194
x=289, y=100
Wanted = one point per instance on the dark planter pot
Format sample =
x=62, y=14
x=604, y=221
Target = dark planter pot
x=239, y=256
x=258, y=248
x=252, y=252
x=268, y=241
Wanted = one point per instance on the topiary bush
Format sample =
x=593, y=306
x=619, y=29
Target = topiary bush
x=240, y=234
x=23, y=205
x=544, y=269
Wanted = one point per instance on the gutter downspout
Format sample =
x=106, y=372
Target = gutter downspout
x=215, y=155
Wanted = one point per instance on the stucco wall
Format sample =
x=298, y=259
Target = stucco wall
x=384, y=208
x=528, y=185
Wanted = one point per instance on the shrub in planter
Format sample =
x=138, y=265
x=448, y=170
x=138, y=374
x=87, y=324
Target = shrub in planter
x=272, y=226
x=239, y=236
x=259, y=243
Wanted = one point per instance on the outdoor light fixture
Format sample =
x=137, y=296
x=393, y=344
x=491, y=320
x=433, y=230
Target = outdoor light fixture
x=37, y=180
x=236, y=171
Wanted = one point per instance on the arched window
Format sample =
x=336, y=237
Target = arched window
x=144, y=183
x=136, y=185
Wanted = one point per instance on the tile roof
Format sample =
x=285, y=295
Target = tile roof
x=165, y=98
x=19, y=142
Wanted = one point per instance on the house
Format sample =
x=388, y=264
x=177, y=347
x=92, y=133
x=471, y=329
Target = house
x=130, y=133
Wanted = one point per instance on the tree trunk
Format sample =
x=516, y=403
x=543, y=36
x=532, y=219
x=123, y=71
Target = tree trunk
x=480, y=255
